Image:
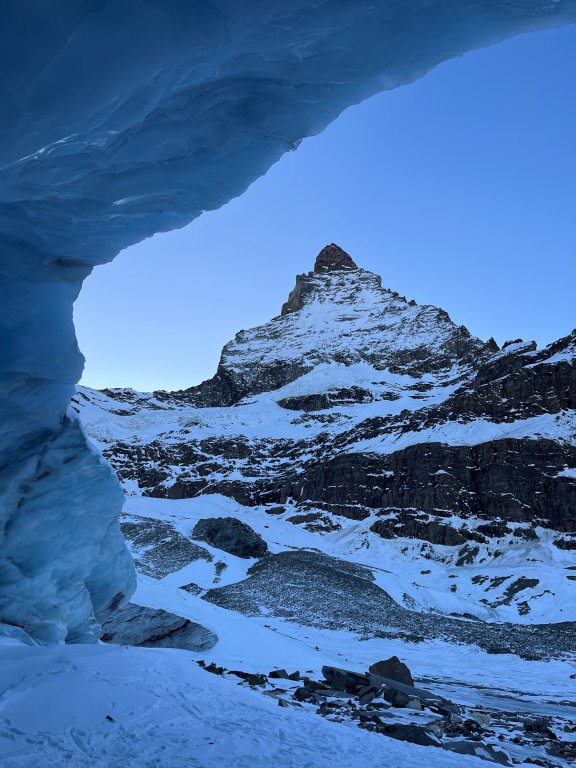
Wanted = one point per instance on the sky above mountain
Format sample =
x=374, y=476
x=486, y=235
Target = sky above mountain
x=459, y=190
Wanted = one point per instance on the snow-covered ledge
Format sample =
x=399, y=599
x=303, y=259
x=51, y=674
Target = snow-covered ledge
x=122, y=118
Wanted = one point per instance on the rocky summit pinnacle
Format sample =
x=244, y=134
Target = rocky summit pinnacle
x=333, y=259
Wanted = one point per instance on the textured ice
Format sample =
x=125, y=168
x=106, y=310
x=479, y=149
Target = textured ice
x=122, y=118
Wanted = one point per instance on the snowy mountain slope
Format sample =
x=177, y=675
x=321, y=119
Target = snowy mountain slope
x=348, y=372
x=527, y=582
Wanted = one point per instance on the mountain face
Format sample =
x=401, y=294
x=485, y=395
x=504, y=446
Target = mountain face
x=339, y=314
x=357, y=404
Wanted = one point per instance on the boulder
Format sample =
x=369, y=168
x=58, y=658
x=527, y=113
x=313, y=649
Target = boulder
x=482, y=718
x=303, y=694
x=278, y=674
x=479, y=749
x=541, y=726
x=345, y=680
x=368, y=686
x=415, y=734
x=231, y=535
x=152, y=627
x=367, y=693
x=399, y=695
x=394, y=669
x=214, y=669
x=414, y=704
x=314, y=685
x=282, y=674
x=396, y=698
x=564, y=749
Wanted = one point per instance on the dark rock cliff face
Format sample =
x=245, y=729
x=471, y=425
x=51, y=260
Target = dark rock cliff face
x=361, y=404
x=417, y=490
x=506, y=480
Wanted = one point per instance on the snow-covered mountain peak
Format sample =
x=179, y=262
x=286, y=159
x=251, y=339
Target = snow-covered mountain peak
x=340, y=314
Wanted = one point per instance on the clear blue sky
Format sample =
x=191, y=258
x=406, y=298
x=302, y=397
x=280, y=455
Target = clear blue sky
x=460, y=190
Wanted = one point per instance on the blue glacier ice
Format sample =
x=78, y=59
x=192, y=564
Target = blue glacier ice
x=122, y=118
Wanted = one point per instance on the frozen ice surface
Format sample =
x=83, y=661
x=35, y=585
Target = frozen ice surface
x=124, y=118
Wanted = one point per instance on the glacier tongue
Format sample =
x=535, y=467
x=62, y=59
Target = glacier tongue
x=121, y=119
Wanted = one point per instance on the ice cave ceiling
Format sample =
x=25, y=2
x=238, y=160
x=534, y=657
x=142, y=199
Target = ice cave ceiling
x=122, y=118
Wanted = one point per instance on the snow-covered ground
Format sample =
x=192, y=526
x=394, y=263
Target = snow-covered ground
x=116, y=707
x=113, y=707
x=419, y=575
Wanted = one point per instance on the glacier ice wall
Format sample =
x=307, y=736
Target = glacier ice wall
x=122, y=118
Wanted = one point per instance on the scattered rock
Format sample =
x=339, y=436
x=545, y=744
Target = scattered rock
x=252, y=678
x=563, y=749
x=482, y=718
x=396, y=698
x=303, y=694
x=468, y=727
x=214, y=669
x=276, y=510
x=282, y=674
x=158, y=548
x=414, y=704
x=436, y=727
x=278, y=674
x=367, y=694
x=344, y=680
x=541, y=726
x=365, y=698
x=314, y=685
